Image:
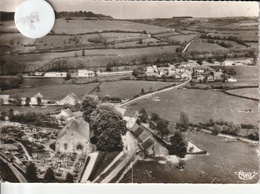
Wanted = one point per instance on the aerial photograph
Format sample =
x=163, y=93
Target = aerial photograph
x=131, y=92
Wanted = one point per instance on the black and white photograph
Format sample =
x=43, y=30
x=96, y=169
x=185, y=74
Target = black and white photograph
x=129, y=92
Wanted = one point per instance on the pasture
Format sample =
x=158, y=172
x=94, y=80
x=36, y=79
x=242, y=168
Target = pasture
x=204, y=46
x=246, y=92
x=246, y=35
x=128, y=89
x=72, y=26
x=183, y=38
x=50, y=90
x=200, y=106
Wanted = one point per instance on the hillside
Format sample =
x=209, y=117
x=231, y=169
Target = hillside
x=9, y=16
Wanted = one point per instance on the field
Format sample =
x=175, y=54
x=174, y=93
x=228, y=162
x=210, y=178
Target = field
x=183, y=38
x=128, y=89
x=246, y=92
x=204, y=46
x=72, y=26
x=246, y=35
x=200, y=106
x=225, y=158
x=53, y=91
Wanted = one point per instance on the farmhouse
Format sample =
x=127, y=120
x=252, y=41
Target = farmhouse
x=85, y=73
x=34, y=99
x=55, y=74
x=70, y=99
x=74, y=137
x=4, y=99
x=152, y=70
x=130, y=116
x=248, y=61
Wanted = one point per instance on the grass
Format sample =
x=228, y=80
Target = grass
x=183, y=38
x=203, y=46
x=128, y=89
x=200, y=106
x=61, y=26
x=224, y=159
x=51, y=91
x=246, y=92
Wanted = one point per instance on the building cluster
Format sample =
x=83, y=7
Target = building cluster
x=38, y=99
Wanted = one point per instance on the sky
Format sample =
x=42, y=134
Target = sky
x=149, y=9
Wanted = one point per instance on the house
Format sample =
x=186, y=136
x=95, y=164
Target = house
x=152, y=70
x=55, y=74
x=34, y=99
x=218, y=75
x=70, y=99
x=186, y=75
x=247, y=61
x=232, y=79
x=202, y=70
x=130, y=116
x=85, y=73
x=64, y=114
x=74, y=137
x=4, y=99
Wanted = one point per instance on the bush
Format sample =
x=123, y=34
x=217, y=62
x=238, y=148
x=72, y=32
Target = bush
x=254, y=137
x=216, y=129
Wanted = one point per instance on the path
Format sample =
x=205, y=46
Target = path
x=186, y=47
x=90, y=165
x=25, y=151
x=157, y=92
x=18, y=175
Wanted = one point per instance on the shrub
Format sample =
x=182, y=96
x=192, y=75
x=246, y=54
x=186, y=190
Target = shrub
x=216, y=129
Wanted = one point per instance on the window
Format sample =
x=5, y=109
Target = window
x=65, y=146
x=79, y=147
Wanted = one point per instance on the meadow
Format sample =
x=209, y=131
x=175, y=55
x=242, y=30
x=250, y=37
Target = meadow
x=72, y=26
x=246, y=92
x=183, y=38
x=128, y=89
x=204, y=46
x=200, y=106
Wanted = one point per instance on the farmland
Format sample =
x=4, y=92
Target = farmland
x=128, y=89
x=71, y=26
x=204, y=46
x=246, y=92
x=200, y=106
x=49, y=91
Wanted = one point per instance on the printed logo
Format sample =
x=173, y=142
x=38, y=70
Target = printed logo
x=246, y=175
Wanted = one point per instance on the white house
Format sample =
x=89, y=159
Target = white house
x=85, y=73
x=130, y=116
x=55, y=74
x=70, y=99
x=4, y=99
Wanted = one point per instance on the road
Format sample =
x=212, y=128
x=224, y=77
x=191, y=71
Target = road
x=18, y=175
x=150, y=94
x=186, y=47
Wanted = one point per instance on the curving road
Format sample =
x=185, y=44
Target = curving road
x=150, y=94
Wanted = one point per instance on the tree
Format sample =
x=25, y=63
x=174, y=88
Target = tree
x=109, y=67
x=27, y=101
x=142, y=91
x=39, y=101
x=68, y=76
x=162, y=127
x=108, y=128
x=69, y=178
x=143, y=116
x=31, y=173
x=49, y=175
x=154, y=116
x=83, y=52
x=89, y=105
x=178, y=145
x=216, y=129
x=184, y=120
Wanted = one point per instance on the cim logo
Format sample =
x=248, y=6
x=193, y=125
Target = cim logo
x=246, y=175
